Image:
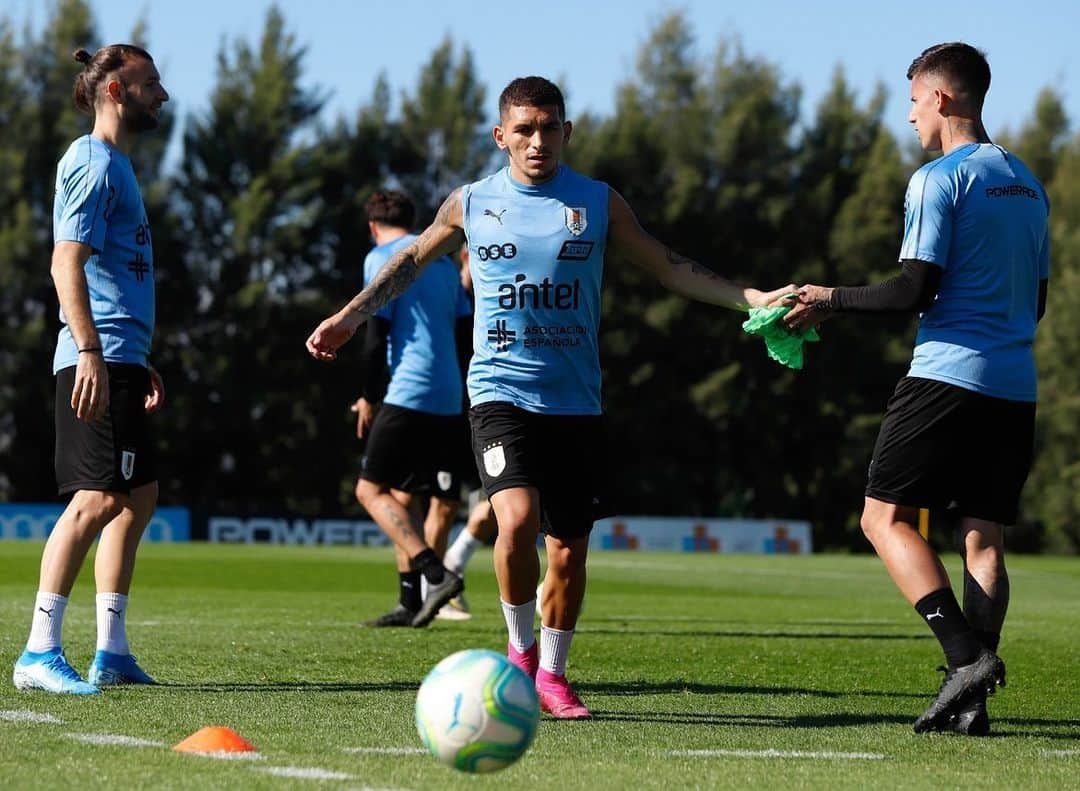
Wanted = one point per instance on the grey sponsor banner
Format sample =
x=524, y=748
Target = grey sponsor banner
x=294, y=531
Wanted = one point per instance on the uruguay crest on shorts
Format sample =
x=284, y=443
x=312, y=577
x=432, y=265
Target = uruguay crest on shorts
x=576, y=221
x=494, y=459
x=127, y=464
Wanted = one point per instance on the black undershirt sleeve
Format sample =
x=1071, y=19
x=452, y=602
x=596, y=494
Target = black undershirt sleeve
x=1042, y=301
x=463, y=341
x=376, y=372
x=911, y=291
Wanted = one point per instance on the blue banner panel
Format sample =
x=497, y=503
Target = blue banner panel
x=34, y=522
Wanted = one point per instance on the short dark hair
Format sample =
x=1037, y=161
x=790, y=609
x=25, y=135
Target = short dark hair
x=391, y=208
x=532, y=92
x=961, y=65
x=95, y=68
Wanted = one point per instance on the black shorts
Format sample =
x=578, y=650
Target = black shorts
x=415, y=452
x=562, y=456
x=941, y=445
x=114, y=454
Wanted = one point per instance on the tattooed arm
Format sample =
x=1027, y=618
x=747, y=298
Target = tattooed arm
x=678, y=273
x=443, y=236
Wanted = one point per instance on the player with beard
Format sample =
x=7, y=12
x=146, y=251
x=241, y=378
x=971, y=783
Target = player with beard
x=537, y=234
x=959, y=429
x=103, y=269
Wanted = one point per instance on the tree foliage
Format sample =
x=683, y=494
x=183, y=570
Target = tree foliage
x=259, y=232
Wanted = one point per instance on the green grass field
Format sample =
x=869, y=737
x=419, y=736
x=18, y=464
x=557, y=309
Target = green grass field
x=817, y=656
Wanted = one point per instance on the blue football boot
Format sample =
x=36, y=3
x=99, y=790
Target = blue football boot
x=108, y=669
x=49, y=670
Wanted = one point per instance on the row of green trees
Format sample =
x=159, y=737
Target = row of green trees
x=259, y=232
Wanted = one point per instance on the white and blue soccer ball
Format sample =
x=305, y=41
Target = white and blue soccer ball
x=476, y=711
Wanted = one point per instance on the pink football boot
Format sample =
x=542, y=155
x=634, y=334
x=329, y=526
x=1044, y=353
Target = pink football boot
x=528, y=660
x=558, y=699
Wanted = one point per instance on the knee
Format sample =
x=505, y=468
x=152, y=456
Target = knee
x=90, y=511
x=983, y=554
x=565, y=560
x=871, y=526
x=366, y=492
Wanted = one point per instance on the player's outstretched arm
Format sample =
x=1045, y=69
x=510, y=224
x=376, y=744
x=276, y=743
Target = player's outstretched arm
x=678, y=273
x=440, y=238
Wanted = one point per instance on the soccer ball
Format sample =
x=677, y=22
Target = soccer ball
x=477, y=711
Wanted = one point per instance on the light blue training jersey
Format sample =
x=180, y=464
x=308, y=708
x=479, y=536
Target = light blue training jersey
x=98, y=203
x=421, y=353
x=980, y=215
x=537, y=256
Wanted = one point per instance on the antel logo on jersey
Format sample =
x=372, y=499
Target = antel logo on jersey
x=493, y=252
x=575, y=251
x=520, y=295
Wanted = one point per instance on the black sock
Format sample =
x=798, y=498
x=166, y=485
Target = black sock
x=942, y=614
x=409, y=587
x=428, y=564
x=989, y=639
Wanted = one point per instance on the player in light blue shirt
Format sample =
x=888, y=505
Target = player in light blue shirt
x=413, y=427
x=537, y=235
x=98, y=204
x=959, y=430
x=421, y=349
x=103, y=269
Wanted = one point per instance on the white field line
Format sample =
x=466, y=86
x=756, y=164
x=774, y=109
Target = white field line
x=25, y=715
x=776, y=754
x=305, y=773
x=1063, y=752
x=227, y=755
x=387, y=750
x=109, y=739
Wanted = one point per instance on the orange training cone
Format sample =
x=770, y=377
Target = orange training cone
x=215, y=739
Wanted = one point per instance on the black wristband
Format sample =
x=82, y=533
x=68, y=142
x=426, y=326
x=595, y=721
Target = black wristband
x=89, y=349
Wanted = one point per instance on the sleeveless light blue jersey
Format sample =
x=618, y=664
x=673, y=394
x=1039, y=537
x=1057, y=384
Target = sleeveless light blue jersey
x=98, y=203
x=421, y=353
x=980, y=215
x=537, y=255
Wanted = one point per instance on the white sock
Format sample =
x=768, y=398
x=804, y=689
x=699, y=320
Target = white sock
x=519, y=624
x=457, y=557
x=111, y=633
x=48, y=622
x=554, y=647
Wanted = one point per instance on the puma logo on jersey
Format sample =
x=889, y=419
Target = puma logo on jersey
x=497, y=216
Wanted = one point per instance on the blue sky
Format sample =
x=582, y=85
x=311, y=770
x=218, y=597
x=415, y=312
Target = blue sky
x=591, y=45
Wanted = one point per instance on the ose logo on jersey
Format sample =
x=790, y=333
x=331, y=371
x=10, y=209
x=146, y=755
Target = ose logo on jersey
x=493, y=252
x=520, y=294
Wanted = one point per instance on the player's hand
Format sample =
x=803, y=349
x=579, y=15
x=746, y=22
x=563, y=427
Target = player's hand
x=90, y=394
x=762, y=299
x=811, y=309
x=156, y=397
x=365, y=414
x=332, y=334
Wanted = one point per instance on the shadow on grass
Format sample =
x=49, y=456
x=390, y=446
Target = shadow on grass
x=768, y=633
x=295, y=686
x=839, y=720
x=679, y=687
x=1040, y=729
x=1059, y=730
